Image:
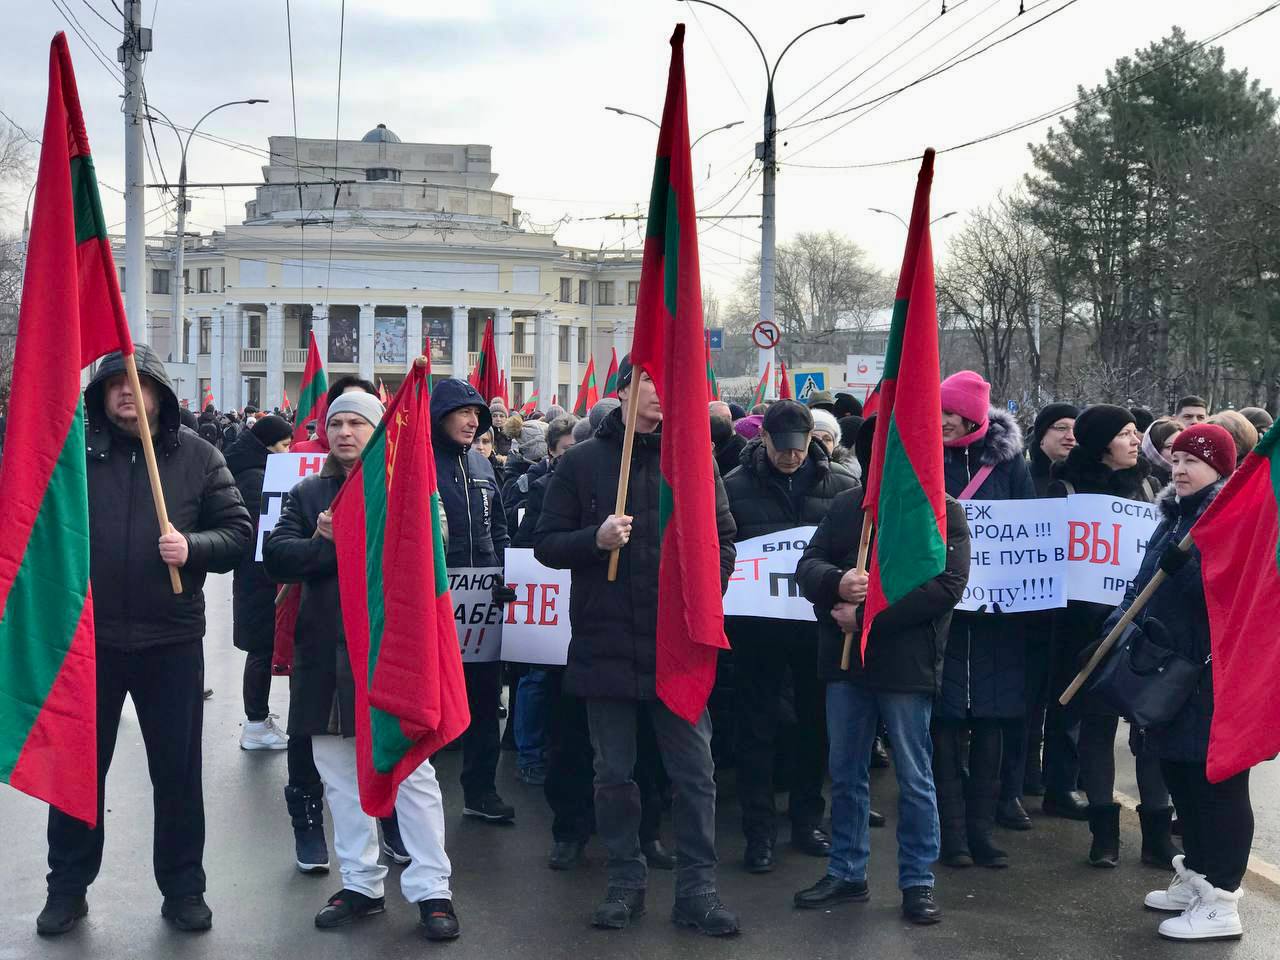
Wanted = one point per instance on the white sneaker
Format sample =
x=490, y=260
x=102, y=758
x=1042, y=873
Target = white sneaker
x=1213, y=915
x=263, y=735
x=1180, y=893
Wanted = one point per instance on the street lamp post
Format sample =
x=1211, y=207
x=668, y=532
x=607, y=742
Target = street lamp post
x=890, y=213
x=766, y=152
x=640, y=116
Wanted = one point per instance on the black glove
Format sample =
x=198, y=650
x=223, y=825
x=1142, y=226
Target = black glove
x=503, y=594
x=1173, y=560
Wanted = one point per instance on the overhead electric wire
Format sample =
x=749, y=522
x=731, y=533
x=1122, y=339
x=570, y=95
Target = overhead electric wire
x=94, y=10
x=78, y=29
x=293, y=98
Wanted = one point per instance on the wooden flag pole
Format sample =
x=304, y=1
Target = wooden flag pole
x=864, y=542
x=1105, y=647
x=624, y=471
x=149, y=455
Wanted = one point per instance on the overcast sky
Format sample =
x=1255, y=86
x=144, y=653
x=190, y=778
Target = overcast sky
x=532, y=78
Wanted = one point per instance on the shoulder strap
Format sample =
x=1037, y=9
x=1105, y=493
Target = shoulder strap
x=1071, y=487
x=976, y=481
x=1148, y=486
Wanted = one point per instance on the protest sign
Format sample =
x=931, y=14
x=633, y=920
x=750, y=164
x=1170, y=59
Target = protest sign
x=478, y=617
x=1106, y=539
x=536, y=627
x=763, y=582
x=1017, y=558
x=284, y=471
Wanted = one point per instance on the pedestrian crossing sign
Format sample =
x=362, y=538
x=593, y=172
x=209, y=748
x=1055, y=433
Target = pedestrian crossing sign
x=807, y=383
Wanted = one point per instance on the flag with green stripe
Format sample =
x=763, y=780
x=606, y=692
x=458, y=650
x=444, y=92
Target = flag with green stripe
x=904, y=493
x=411, y=698
x=588, y=395
x=71, y=315
x=668, y=332
x=762, y=388
x=611, y=378
x=713, y=387
x=312, y=394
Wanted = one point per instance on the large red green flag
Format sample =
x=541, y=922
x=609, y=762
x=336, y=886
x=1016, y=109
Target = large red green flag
x=411, y=698
x=904, y=495
x=1239, y=542
x=312, y=393
x=531, y=404
x=713, y=388
x=71, y=315
x=485, y=377
x=611, y=380
x=762, y=388
x=588, y=395
x=668, y=328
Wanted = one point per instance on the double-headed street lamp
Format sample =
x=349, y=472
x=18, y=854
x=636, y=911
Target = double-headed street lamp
x=640, y=116
x=890, y=213
x=766, y=152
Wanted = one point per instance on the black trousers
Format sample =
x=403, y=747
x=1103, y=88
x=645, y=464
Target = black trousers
x=167, y=688
x=761, y=664
x=481, y=743
x=1024, y=737
x=966, y=749
x=1061, y=724
x=1217, y=821
x=301, y=763
x=256, y=687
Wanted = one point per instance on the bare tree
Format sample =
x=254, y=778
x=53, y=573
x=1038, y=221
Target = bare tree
x=15, y=177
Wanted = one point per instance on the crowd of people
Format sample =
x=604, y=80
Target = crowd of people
x=962, y=705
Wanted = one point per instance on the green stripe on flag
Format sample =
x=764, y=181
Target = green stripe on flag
x=311, y=394
x=893, y=349
x=907, y=522
x=666, y=503
x=47, y=597
x=671, y=254
x=437, y=539
x=90, y=223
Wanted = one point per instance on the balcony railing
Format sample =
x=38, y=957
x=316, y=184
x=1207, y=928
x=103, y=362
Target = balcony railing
x=253, y=357
x=521, y=363
x=295, y=358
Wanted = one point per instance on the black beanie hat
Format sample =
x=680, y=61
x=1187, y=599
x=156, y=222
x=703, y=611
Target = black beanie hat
x=862, y=446
x=1098, y=425
x=624, y=372
x=849, y=427
x=1050, y=415
x=271, y=429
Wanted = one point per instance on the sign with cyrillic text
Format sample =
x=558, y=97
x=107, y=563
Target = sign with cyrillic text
x=763, y=582
x=284, y=472
x=478, y=617
x=1106, y=539
x=536, y=626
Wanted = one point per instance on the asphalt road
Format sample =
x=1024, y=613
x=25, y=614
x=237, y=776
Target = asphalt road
x=1049, y=904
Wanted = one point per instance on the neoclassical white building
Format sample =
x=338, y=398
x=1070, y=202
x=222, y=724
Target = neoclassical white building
x=385, y=250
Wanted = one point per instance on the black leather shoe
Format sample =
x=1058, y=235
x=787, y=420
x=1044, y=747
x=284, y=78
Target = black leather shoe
x=438, y=921
x=187, y=913
x=918, y=905
x=830, y=890
x=813, y=841
x=1011, y=814
x=706, y=914
x=1065, y=805
x=876, y=819
x=619, y=907
x=658, y=856
x=60, y=914
x=346, y=906
x=758, y=857
x=879, y=755
x=566, y=854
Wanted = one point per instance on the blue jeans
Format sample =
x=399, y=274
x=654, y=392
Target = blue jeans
x=531, y=719
x=852, y=713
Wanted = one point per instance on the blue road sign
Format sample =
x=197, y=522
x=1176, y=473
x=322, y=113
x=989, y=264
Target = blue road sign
x=717, y=338
x=806, y=383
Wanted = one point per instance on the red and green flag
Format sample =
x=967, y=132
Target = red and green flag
x=1239, y=542
x=312, y=392
x=531, y=404
x=784, y=381
x=611, y=380
x=690, y=631
x=485, y=377
x=762, y=388
x=904, y=494
x=713, y=388
x=502, y=389
x=71, y=315
x=588, y=395
x=411, y=698
x=207, y=402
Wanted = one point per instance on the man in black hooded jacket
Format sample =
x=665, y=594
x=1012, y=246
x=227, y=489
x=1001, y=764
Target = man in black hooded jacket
x=149, y=639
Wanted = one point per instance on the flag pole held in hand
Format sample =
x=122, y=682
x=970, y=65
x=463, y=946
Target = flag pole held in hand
x=864, y=543
x=624, y=473
x=149, y=455
x=1104, y=648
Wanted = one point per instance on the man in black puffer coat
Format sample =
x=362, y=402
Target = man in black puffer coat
x=149, y=638
x=785, y=480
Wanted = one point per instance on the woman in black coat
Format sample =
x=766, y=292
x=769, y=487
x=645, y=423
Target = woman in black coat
x=1106, y=460
x=984, y=675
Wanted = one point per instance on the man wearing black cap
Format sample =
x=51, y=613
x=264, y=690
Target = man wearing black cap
x=822, y=400
x=785, y=481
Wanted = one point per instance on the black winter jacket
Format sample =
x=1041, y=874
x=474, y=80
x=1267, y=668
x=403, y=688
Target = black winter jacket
x=515, y=492
x=468, y=486
x=986, y=665
x=1179, y=606
x=526, y=530
x=253, y=594
x=760, y=497
x=134, y=606
x=908, y=641
x=729, y=454
x=321, y=687
x=613, y=649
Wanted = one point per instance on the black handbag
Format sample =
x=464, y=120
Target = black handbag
x=1143, y=681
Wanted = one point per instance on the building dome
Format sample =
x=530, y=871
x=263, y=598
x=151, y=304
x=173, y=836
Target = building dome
x=380, y=134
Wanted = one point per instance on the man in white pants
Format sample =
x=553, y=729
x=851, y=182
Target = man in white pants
x=322, y=698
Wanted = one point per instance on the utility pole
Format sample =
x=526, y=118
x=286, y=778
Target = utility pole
x=137, y=41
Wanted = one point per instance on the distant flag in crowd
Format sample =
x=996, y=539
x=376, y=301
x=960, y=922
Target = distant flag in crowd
x=762, y=388
x=485, y=376
x=784, y=381
x=713, y=388
x=668, y=326
x=871, y=405
x=70, y=315
x=904, y=494
x=312, y=393
x=285, y=402
x=611, y=380
x=531, y=404
x=502, y=389
x=588, y=395
x=207, y=402
x=411, y=698
x=382, y=393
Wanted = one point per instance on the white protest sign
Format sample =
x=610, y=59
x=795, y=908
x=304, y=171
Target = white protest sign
x=1106, y=539
x=478, y=617
x=284, y=471
x=763, y=582
x=536, y=628
x=1017, y=561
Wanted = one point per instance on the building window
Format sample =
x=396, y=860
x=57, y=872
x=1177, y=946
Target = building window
x=304, y=332
x=517, y=333
x=255, y=391
x=584, y=291
x=186, y=281
x=203, y=276
x=122, y=279
x=255, y=330
x=566, y=290
x=186, y=340
x=222, y=278
x=206, y=334
x=563, y=334
x=633, y=291
x=159, y=281
x=582, y=346
x=604, y=293
x=563, y=398
x=382, y=173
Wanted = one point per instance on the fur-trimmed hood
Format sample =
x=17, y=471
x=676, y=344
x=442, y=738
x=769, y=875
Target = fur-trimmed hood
x=1171, y=508
x=1003, y=441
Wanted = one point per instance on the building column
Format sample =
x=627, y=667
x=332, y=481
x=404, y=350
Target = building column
x=320, y=327
x=216, y=319
x=192, y=356
x=365, y=356
x=545, y=357
x=273, y=394
x=459, y=350
x=412, y=335
x=575, y=375
x=502, y=335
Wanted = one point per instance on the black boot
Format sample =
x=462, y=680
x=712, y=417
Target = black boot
x=955, y=844
x=1011, y=814
x=879, y=755
x=980, y=815
x=306, y=810
x=657, y=855
x=1065, y=805
x=1158, y=849
x=1104, y=824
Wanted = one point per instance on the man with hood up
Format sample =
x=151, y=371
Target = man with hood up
x=149, y=639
